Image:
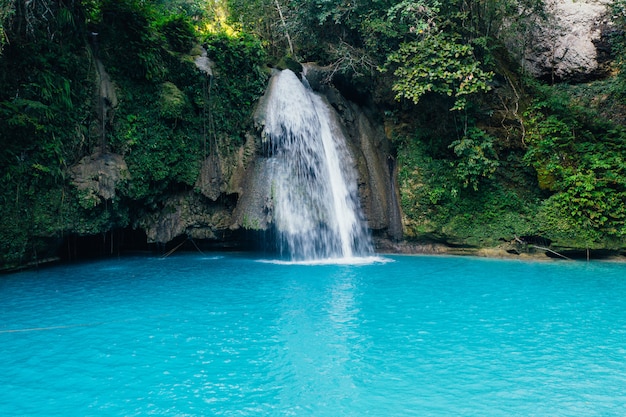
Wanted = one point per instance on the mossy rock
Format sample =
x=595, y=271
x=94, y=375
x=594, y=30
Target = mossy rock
x=288, y=62
x=172, y=101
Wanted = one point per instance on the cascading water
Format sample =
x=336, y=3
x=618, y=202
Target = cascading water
x=315, y=202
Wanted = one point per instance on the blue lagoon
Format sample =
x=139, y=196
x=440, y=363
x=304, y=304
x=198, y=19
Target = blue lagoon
x=236, y=335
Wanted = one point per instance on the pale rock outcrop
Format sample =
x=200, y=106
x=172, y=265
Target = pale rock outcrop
x=202, y=61
x=98, y=175
x=568, y=44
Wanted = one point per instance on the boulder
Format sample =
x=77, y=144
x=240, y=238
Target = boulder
x=569, y=44
x=98, y=175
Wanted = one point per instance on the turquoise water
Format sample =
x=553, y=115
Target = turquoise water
x=230, y=335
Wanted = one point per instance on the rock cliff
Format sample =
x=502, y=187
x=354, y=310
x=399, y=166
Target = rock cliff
x=568, y=43
x=233, y=191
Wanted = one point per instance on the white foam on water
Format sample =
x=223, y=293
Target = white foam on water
x=357, y=260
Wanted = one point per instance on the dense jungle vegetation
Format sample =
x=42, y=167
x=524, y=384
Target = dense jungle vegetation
x=485, y=153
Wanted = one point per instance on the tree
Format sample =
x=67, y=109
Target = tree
x=438, y=63
x=7, y=9
x=477, y=157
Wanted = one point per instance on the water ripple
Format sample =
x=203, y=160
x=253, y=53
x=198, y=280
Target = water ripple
x=232, y=336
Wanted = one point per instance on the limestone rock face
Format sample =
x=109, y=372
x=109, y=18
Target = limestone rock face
x=187, y=214
x=225, y=172
x=570, y=44
x=255, y=208
x=98, y=175
x=106, y=102
x=202, y=61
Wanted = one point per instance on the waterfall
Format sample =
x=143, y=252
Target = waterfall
x=314, y=192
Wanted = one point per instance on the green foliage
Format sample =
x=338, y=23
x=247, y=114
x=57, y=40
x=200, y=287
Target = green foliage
x=581, y=160
x=423, y=45
x=129, y=43
x=252, y=16
x=239, y=82
x=194, y=9
x=45, y=101
x=173, y=103
x=160, y=160
x=7, y=10
x=618, y=39
x=436, y=205
x=477, y=157
x=162, y=144
x=438, y=63
x=426, y=186
x=179, y=32
x=195, y=114
x=162, y=124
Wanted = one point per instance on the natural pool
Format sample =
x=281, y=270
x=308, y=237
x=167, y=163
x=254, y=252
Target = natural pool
x=232, y=335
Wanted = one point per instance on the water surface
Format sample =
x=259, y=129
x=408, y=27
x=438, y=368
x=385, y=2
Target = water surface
x=233, y=335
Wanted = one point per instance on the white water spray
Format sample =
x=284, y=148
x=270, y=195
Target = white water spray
x=316, y=209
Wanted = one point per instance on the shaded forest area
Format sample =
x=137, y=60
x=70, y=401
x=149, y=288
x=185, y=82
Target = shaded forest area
x=487, y=154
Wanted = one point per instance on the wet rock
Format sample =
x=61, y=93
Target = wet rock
x=254, y=209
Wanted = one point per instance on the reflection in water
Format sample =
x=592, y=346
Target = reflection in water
x=319, y=342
